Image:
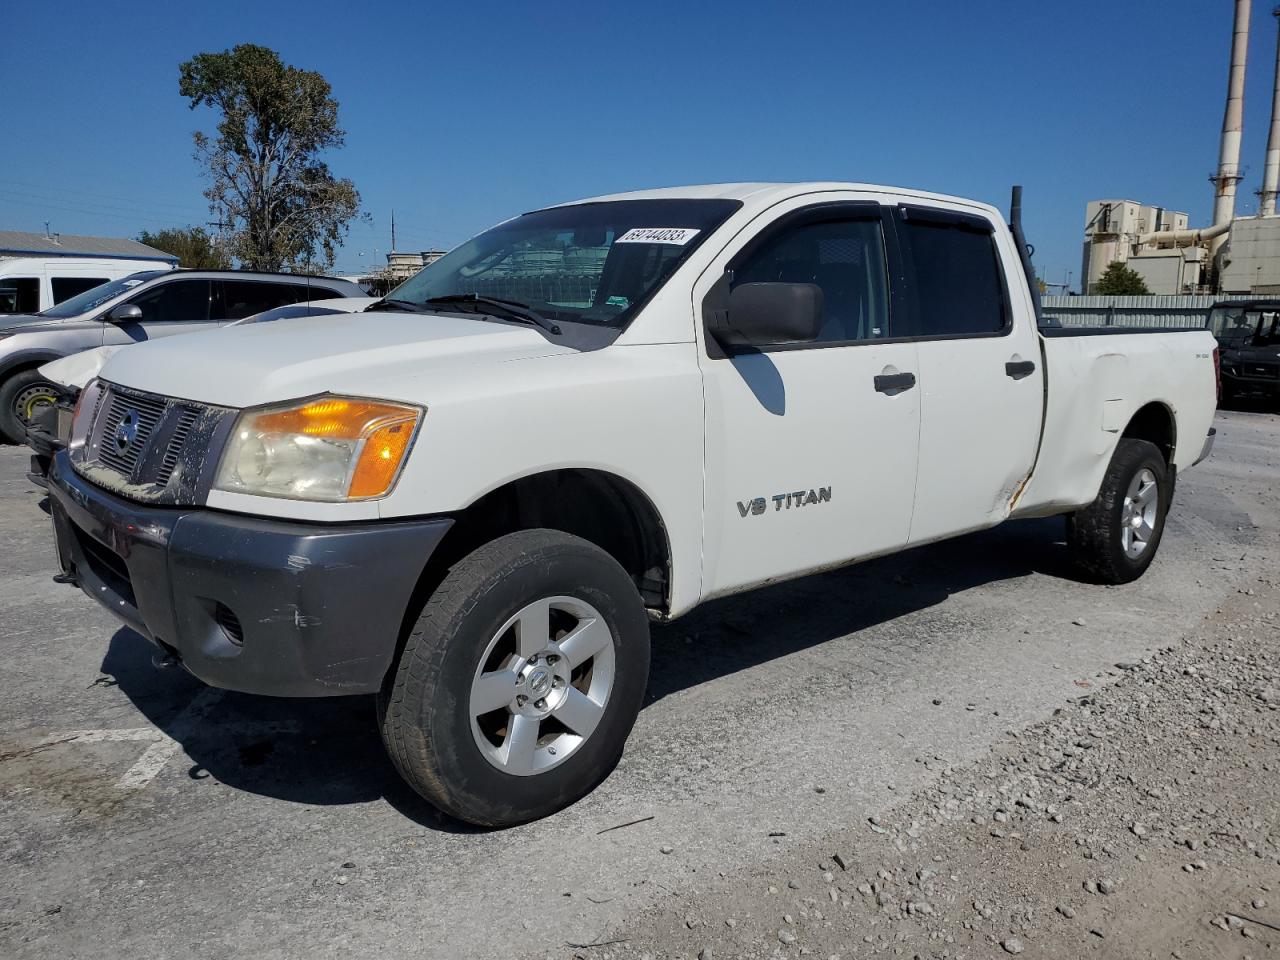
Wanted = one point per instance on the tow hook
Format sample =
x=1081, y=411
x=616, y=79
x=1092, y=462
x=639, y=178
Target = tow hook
x=163, y=661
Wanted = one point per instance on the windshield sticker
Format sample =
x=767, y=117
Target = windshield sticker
x=677, y=236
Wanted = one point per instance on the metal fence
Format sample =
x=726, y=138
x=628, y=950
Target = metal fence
x=1180, y=313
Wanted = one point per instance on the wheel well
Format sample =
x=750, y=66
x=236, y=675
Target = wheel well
x=24, y=363
x=1154, y=423
x=600, y=507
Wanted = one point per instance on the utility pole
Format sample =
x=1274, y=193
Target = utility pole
x=393, y=231
x=220, y=238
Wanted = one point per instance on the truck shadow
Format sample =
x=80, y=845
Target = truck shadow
x=327, y=751
x=740, y=632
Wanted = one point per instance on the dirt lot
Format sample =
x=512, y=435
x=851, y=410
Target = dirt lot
x=1142, y=820
x=921, y=717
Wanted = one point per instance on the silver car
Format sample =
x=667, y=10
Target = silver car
x=139, y=307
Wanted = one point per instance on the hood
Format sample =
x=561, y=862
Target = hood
x=369, y=354
x=31, y=323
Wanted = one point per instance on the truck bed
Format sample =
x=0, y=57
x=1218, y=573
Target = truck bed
x=1098, y=380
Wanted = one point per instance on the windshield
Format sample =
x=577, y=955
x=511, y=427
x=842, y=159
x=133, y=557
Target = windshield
x=595, y=263
x=97, y=296
x=287, y=312
x=1249, y=324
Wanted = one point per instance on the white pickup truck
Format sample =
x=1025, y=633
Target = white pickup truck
x=472, y=499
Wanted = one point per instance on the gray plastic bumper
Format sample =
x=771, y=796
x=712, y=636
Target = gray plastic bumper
x=272, y=607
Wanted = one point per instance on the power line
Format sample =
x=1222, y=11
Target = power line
x=57, y=194
x=134, y=218
x=83, y=206
x=58, y=191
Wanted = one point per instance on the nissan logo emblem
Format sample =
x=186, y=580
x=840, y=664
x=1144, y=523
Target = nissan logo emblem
x=127, y=431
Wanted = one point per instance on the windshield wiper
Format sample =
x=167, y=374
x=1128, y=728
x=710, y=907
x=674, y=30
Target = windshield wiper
x=505, y=309
x=387, y=304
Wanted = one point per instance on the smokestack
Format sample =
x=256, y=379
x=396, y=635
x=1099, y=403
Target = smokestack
x=1271, y=174
x=1228, y=176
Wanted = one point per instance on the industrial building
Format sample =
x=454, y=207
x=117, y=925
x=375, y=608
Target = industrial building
x=1230, y=256
x=1113, y=229
x=401, y=266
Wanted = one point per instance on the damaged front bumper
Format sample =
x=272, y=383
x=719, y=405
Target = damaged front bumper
x=281, y=608
x=46, y=435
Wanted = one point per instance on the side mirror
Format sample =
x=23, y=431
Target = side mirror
x=125, y=313
x=764, y=313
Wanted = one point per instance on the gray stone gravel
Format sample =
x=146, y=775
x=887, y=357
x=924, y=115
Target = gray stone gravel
x=1178, y=753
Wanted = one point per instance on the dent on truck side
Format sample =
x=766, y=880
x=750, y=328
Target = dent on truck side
x=1096, y=387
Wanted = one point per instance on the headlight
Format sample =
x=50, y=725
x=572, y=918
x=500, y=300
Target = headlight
x=329, y=448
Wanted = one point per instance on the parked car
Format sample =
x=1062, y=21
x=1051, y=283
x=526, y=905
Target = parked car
x=141, y=306
x=50, y=425
x=472, y=499
x=31, y=284
x=1248, y=334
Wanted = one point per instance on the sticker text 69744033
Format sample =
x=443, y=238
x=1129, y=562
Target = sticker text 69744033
x=678, y=236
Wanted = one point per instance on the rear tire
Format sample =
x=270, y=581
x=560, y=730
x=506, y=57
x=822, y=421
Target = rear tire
x=520, y=680
x=1115, y=538
x=20, y=396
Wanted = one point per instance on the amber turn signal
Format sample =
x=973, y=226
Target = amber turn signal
x=380, y=459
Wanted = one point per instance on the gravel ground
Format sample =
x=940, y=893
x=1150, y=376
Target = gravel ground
x=1142, y=820
x=142, y=810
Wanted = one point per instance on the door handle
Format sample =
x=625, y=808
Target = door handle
x=894, y=382
x=1017, y=369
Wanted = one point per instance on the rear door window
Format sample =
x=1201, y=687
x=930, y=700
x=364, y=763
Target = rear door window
x=954, y=272
x=244, y=298
x=314, y=292
x=19, y=295
x=64, y=288
x=176, y=301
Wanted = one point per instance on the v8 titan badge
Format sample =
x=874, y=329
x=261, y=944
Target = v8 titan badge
x=798, y=498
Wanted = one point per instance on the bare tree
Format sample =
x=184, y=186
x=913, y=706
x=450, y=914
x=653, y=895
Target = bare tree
x=285, y=209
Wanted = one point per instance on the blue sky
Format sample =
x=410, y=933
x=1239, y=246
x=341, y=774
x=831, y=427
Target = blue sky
x=460, y=114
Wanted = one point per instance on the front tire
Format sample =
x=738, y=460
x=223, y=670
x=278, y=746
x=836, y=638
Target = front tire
x=520, y=680
x=20, y=397
x=1115, y=538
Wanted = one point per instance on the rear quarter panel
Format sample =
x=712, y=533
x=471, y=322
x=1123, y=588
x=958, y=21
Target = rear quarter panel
x=1095, y=386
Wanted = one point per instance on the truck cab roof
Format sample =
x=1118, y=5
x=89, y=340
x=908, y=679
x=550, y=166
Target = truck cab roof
x=760, y=195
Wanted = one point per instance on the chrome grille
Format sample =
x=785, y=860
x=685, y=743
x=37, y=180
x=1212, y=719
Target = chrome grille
x=152, y=448
x=177, y=441
x=143, y=413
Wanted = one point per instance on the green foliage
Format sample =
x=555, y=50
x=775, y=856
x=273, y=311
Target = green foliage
x=285, y=208
x=193, y=246
x=1120, y=281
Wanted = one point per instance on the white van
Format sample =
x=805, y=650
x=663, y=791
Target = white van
x=33, y=284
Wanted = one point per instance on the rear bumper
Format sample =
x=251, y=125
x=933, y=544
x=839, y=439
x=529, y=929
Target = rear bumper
x=271, y=607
